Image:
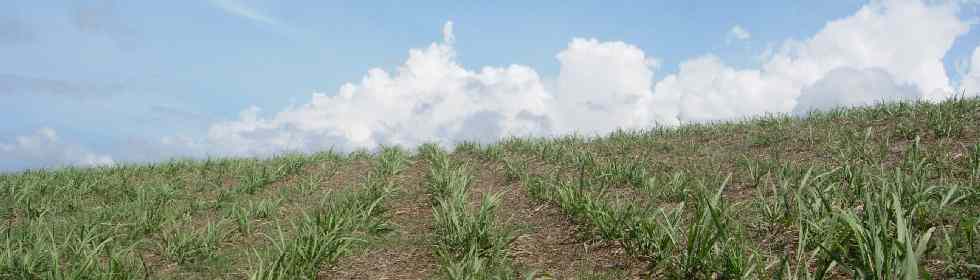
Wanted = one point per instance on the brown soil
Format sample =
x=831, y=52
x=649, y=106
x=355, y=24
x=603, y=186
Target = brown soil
x=547, y=241
x=341, y=175
x=406, y=253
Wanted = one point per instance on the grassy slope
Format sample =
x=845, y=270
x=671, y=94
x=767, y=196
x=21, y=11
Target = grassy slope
x=880, y=193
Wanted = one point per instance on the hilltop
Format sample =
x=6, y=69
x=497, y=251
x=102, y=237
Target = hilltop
x=879, y=192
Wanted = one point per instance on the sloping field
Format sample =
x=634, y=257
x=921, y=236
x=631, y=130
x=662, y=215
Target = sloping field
x=885, y=192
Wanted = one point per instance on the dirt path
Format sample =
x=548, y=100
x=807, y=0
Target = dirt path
x=406, y=252
x=547, y=240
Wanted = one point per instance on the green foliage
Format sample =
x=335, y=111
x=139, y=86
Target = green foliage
x=880, y=243
x=883, y=192
x=887, y=184
x=184, y=246
x=974, y=163
x=470, y=243
x=328, y=232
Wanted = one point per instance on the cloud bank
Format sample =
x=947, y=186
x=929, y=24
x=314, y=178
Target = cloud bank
x=887, y=50
x=429, y=98
x=860, y=87
x=970, y=84
x=43, y=148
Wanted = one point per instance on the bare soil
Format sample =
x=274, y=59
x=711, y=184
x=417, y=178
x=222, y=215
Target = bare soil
x=406, y=253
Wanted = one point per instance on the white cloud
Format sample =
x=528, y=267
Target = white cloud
x=903, y=38
x=887, y=50
x=847, y=86
x=737, y=33
x=906, y=38
x=429, y=98
x=237, y=8
x=43, y=149
x=705, y=89
x=970, y=85
x=600, y=86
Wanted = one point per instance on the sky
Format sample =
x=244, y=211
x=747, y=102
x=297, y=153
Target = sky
x=99, y=82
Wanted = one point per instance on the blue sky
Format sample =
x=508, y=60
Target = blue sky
x=100, y=82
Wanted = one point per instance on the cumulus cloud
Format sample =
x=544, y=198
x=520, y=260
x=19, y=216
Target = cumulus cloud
x=44, y=149
x=737, y=33
x=429, y=98
x=906, y=39
x=970, y=84
x=706, y=89
x=847, y=86
x=600, y=86
x=887, y=50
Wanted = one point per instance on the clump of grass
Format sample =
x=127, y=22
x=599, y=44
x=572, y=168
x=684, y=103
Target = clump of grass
x=515, y=170
x=711, y=245
x=776, y=205
x=870, y=201
x=318, y=239
x=493, y=152
x=264, y=208
x=672, y=188
x=152, y=208
x=946, y=119
x=328, y=232
x=255, y=176
x=252, y=182
x=185, y=246
x=247, y=214
x=871, y=230
x=85, y=252
x=391, y=161
x=880, y=243
x=471, y=243
x=467, y=147
x=974, y=163
x=796, y=264
x=243, y=220
x=961, y=247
